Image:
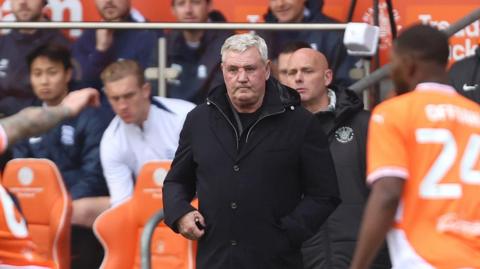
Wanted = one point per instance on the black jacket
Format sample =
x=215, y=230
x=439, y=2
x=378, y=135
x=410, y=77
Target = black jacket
x=259, y=203
x=465, y=76
x=346, y=127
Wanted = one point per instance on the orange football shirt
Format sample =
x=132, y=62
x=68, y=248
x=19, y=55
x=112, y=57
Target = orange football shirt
x=431, y=138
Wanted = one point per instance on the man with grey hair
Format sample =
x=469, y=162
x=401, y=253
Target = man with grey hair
x=259, y=164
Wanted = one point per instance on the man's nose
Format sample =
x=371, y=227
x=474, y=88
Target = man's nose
x=242, y=75
x=44, y=79
x=298, y=77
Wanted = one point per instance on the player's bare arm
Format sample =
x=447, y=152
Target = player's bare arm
x=36, y=120
x=377, y=219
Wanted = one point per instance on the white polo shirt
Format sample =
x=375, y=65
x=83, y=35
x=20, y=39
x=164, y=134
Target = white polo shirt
x=125, y=148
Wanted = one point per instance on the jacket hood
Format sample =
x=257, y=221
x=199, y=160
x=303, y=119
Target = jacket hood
x=347, y=105
x=277, y=96
x=348, y=101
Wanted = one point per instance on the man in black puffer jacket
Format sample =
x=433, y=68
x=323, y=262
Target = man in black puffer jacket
x=345, y=122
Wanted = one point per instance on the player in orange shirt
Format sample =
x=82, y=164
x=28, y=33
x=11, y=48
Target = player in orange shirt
x=16, y=248
x=423, y=164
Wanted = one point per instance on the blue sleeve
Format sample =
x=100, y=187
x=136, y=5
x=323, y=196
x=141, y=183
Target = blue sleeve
x=91, y=61
x=147, y=44
x=87, y=180
x=21, y=150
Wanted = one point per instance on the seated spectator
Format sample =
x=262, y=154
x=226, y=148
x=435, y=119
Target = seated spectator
x=194, y=53
x=342, y=117
x=465, y=76
x=284, y=56
x=95, y=49
x=15, y=90
x=143, y=129
x=330, y=43
x=73, y=146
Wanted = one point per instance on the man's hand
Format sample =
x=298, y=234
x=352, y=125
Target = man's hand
x=76, y=101
x=104, y=39
x=188, y=228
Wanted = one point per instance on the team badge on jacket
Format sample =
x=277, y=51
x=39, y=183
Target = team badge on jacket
x=344, y=134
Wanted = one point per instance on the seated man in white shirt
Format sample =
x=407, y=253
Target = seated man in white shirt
x=143, y=129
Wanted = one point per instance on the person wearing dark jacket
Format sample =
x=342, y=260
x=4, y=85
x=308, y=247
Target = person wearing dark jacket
x=73, y=146
x=259, y=165
x=345, y=122
x=330, y=43
x=95, y=49
x=15, y=90
x=194, y=53
x=465, y=76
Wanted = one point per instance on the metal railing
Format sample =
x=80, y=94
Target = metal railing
x=146, y=240
x=173, y=26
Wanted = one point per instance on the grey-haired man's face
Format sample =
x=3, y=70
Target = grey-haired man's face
x=245, y=74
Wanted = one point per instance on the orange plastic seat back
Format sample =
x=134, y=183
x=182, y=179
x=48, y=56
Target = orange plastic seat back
x=120, y=228
x=45, y=203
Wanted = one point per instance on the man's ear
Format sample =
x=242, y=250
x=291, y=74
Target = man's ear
x=328, y=76
x=146, y=89
x=172, y=10
x=69, y=74
x=209, y=6
x=268, y=67
x=410, y=65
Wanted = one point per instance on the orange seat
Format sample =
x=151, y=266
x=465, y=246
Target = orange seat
x=119, y=229
x=45, y=204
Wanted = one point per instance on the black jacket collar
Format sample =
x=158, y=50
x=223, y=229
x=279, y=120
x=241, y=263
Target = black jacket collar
x=278, y=97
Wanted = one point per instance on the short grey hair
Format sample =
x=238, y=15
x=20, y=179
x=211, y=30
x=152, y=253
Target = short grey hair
x=242, y=42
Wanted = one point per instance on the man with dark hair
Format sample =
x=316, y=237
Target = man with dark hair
x=259, y=164
x=73, y=145
x=330, y=43
x=284, y=56
x=15, y=89
x=194, y=53
x=422, y=159
x=18, y=249
x=343, y=119
x=465, y=76
x=97, y=48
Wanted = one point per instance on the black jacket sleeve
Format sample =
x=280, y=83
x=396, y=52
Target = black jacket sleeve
x=319, y=183
x=179, y=186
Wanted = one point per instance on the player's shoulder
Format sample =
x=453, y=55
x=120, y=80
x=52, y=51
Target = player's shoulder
x=394, y=105
x=467, y=103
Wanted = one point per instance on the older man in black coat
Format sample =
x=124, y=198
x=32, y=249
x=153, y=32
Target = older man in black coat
x=259, y=164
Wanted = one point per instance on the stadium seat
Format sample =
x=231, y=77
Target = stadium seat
x=45, y=204
x=119, y=229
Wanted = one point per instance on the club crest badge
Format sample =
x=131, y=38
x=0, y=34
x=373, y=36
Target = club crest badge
x=344, y=134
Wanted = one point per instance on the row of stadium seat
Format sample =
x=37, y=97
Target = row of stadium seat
x=47, y=207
